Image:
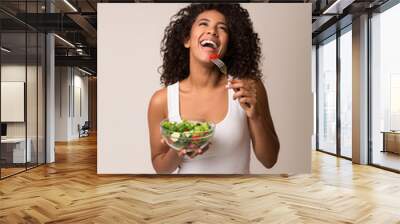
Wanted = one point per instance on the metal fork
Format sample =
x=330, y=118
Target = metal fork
x=221, y=65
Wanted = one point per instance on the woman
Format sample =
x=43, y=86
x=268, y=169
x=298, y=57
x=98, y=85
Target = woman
x=195, y=88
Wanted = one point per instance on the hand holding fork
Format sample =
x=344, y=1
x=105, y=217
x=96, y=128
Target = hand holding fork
x=245, y=90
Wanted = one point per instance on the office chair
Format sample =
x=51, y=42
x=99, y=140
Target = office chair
x=84, y=130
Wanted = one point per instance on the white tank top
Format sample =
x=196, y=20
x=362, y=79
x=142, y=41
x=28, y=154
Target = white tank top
x=230, y=149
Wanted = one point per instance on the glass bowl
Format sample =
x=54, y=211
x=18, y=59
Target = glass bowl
x=187, y=134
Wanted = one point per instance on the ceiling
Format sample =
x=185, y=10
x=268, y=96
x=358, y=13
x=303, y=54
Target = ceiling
x=76, y=22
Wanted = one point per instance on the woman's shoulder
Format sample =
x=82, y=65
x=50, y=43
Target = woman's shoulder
x=159, y=97
x=158, y=101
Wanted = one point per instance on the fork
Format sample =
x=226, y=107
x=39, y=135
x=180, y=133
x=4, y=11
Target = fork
x=222, y=67
x=219, y=63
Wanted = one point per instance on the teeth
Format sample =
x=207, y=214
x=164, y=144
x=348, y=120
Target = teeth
x=209, y=42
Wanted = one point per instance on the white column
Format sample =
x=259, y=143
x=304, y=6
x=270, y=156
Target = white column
x=50, y=92
x=314, y=92
x=50, y=100
x=63, y=100
x=360, y=90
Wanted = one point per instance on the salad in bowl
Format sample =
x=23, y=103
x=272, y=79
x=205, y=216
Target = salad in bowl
x=187, y=134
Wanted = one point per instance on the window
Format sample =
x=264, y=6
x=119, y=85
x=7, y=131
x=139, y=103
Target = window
x=385, y=88
x=346, y=93
x=327, y=96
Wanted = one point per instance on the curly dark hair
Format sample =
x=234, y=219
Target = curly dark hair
x=243, y=52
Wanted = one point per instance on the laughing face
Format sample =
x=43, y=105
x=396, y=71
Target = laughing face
x=209, y=35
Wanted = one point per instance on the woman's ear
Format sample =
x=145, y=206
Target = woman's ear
x=186, y=42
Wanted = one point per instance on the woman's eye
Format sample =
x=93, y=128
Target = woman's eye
x=202, y=23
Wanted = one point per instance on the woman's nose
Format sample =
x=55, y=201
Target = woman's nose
x=212, y=31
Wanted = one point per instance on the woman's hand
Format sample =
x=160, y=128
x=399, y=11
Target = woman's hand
x=263, y=135
x=246, y=93
x=192, y=153
x=195, y=152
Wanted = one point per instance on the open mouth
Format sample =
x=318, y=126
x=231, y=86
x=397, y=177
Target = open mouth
x=209, y=44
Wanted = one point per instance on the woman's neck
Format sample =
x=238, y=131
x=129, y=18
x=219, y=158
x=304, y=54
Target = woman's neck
x=203, y=77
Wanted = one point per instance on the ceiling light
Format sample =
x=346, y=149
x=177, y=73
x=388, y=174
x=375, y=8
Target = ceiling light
x=338, y=6
x=5, y=50
x=84, y=71
x=70, y=5
x=329, y=9
x=64, y=40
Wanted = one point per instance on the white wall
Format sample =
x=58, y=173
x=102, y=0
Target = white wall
x=33, y=127
x=16, y=72
x=12, y=101
x=127, y=77
x=80, y=84
x=68, y=81
x=61, y=103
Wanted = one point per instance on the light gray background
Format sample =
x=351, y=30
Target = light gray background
x=129, y=37
x=12, y=101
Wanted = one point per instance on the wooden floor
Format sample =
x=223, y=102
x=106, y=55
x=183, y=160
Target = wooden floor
x=5, y=172
x=70, y=191
x=387, y=159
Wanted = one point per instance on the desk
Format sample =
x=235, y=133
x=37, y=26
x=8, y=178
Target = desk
x=391, y=141
x=15, y=148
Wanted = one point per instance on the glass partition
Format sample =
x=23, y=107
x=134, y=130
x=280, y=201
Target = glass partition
x=35, y=89
x=41, y=107
x=346, y=93
x=327, y=96
x=22, y=77
x=32, y=95
x=13, y=109
x=385, y=89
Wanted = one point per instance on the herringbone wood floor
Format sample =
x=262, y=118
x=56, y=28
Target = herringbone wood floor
x=69, y=191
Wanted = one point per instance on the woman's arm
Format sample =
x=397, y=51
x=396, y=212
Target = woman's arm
x=164, y=159
x=253, y=99
x=265, y=141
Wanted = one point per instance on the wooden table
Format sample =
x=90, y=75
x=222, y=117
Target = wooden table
x=13, y=150
x=391, y=141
